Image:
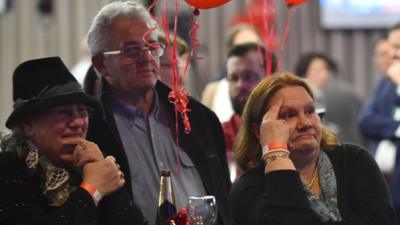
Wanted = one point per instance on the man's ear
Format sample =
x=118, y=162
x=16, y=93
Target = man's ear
x=98, y=64
x=255, y=129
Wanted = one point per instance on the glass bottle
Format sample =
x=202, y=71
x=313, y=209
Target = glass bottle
x=166, y=203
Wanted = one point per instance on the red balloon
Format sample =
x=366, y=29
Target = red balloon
x=295, y=2
x=206, y=4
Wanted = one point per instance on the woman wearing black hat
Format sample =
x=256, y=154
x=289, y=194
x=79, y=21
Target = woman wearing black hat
x=49, y=173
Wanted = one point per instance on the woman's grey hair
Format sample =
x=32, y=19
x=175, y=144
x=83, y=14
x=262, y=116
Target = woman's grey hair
x=99, y=32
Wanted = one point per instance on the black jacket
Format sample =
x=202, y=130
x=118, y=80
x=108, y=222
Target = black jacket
x=278, y=197
x=22, y=201
x=205, y=144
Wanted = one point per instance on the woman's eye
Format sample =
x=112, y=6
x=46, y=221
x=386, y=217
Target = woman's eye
x=63, y=112
x=310, y=111
x=83, y=111
x=286, y=115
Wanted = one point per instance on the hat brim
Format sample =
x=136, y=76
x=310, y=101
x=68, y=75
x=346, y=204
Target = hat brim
x=43, y=104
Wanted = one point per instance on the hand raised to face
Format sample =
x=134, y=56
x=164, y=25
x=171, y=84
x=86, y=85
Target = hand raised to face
x=273, y=129
x=102, y=173
x=84, y=152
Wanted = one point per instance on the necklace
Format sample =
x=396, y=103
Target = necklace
x=313, y=178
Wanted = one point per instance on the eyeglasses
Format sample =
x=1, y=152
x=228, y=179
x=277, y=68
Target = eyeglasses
x=67, y=112
x=133, y=52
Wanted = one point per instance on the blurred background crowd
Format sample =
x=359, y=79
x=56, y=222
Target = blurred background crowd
x=32, y=29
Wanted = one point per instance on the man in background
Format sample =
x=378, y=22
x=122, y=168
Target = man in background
x=215, y=94
x=380, y=118
x=382, y=55
x=245, y=70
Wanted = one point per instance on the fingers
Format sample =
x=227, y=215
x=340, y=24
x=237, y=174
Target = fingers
x=121, y=174
x=117, y=166
x=86, y=152
x=121, y=182
x=122, y=178
x=105, y=175
x=273, y=128
x=72, y=141
x=273, y=112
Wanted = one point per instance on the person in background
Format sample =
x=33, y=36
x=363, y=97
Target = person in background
x=139, y=126
x=379, y=119
x=92, y=82
x=295, y=170
x=49, y=173
x=340, y=102
x=80, y=68
x=382, y=55
x=166, y=60
x=244, y=70
x=216, y=93
x=382, y=59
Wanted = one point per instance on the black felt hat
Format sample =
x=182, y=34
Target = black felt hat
x=40, y=84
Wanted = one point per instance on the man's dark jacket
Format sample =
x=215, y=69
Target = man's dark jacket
x=204, y=145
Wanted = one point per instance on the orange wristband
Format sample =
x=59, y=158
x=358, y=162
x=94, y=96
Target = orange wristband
x=92, y=191
x=276, y=145
x=272, y=146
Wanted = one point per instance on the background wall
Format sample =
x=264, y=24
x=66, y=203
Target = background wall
x=25, y=34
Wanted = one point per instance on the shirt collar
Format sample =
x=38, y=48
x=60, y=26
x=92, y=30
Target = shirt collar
x=129, y=110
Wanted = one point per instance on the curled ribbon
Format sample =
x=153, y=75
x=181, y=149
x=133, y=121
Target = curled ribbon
x=195, y=43
x=179, y=98
x=151, y=30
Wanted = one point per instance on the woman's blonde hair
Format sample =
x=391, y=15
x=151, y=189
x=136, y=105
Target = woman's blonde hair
x=247, y=147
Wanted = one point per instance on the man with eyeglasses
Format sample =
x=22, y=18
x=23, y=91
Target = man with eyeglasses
x=138, y=125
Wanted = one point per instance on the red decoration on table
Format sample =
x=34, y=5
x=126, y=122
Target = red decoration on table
x=206, y=4
x=181, y=217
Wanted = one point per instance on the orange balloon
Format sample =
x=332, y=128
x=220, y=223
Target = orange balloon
x=295, y=2
x=206, y=4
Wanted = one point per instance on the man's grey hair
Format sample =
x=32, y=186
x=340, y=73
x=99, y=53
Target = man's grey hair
x=99, y=32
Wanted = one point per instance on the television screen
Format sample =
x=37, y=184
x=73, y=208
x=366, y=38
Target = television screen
x=359, y=14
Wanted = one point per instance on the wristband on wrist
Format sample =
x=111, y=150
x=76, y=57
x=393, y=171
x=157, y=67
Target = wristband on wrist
x=96, y=195
x=281, y=150
x=268, y=160
x=272, y=146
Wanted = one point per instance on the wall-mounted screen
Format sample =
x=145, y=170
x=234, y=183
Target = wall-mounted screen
x=359, y=14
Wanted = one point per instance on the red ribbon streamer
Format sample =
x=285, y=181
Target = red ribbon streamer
x=151, y=30
x=180, y=99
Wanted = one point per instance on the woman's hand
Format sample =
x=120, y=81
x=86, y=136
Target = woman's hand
x=84, y=152
x=104, y=175
x=273, y=129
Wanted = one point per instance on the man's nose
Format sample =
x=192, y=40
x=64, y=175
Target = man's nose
x=145, y=55
x=241, y=83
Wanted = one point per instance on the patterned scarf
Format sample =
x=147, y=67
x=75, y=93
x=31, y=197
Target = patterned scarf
x=325, y=209
x=56, y=183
